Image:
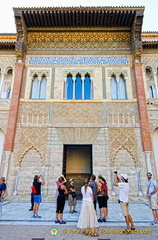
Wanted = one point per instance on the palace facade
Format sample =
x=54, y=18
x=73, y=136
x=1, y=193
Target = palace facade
x=78, y=95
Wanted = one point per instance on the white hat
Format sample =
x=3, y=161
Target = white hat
x=124, y=176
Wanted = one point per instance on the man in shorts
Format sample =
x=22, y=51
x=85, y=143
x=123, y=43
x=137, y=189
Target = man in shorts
x=123, y=185
x=152, y=190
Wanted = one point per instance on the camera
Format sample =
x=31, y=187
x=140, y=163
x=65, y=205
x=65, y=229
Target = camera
x=115, y=172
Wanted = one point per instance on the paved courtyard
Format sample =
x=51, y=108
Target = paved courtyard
x=17, y=223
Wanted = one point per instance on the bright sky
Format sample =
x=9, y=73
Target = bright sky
x=7, y=23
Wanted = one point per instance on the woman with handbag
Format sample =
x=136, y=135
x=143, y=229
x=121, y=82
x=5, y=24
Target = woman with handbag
x=72, y=196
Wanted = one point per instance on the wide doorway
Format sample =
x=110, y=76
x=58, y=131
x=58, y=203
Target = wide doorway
x=77, y=164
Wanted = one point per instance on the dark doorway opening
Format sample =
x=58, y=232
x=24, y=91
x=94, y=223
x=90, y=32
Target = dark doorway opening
x=77, y=164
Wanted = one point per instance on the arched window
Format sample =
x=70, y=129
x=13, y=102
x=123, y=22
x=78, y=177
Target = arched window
x=148, y=73
x=5, y=85
x=78, y=87
x=38, y=90
x=35, y=88
x=151, y=92
x=8, y=93
x=42, y=90
x=114, y=88
x=122, y=88
x=69, y=87
x=118, y=88
x=87, y=87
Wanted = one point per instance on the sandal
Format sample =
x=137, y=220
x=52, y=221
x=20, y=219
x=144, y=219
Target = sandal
x=94, y=235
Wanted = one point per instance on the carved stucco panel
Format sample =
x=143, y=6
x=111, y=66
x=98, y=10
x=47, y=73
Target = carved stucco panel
x=150, y=62
x=33, y=113
x=6, y=62
x=122, y=139
x=32, y=138
x=74, y=135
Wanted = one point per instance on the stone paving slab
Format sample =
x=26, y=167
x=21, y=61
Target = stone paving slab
x=15, y=213
x=17, y=223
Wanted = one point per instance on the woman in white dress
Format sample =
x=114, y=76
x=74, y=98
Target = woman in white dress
x=88, y=220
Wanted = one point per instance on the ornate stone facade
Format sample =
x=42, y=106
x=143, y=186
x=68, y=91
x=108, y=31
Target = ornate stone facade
x=49, y=119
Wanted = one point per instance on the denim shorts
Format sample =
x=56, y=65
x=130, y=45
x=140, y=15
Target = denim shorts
x=37, y=198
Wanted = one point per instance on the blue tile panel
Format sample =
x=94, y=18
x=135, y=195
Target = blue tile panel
x=78, y=61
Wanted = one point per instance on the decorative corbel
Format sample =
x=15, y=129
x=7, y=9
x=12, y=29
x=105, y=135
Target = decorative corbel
x=137, y=54
x=19, y=50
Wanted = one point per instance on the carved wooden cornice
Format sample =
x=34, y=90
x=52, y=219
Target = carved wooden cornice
x=74, y=37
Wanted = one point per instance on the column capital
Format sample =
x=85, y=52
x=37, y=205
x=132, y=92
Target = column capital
x=137, y=63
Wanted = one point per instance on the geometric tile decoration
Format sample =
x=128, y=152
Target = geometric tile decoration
x=78, y=61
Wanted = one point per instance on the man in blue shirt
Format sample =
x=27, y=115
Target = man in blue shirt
x=3, y=189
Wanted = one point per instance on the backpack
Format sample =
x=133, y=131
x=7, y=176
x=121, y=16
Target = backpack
x=34, y=190
x=104, y=189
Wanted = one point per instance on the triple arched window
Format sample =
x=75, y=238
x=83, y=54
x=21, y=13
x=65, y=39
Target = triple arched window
x=118, y=87
x=78, y=86
x=38, y=88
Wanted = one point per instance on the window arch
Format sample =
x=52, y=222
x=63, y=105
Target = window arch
x=114, y=87
x=151, y=91
x=87, y=87
x=122, y=88
x=43, y=85
x=118, y=87
x=69, y=87
x=8, y=93
x=148, y=72
x=78, y=87
x=35, y=85
x=5, y=85
x=38, y=90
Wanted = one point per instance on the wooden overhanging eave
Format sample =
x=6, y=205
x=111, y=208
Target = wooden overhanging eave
x=150, y=44
x=79, y=17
